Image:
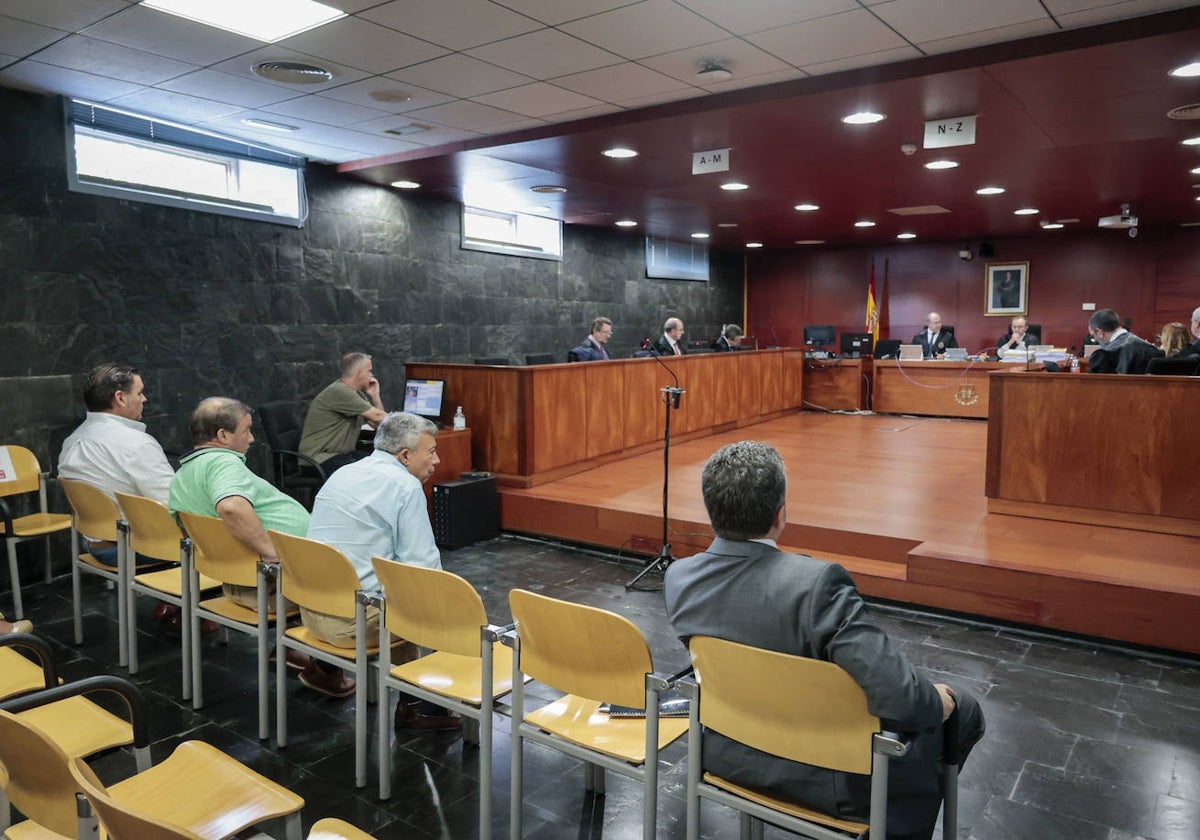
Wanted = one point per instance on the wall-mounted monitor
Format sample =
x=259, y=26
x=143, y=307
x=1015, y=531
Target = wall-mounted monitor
x=820, y=335
x=424, y=397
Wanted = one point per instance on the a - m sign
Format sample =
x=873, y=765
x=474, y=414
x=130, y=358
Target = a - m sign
x=714, y=160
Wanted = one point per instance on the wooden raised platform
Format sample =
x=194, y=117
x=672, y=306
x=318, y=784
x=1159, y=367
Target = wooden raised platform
x=900, y=502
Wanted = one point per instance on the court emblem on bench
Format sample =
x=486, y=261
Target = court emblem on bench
x=966, y=394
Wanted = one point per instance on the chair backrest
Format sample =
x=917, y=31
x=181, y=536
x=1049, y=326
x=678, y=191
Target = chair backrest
x=1034, y=331
x=28, y=472
x=219, y=554
x=39, y=783
x=800, y=709
x=1187, y=366
x=572, y=356
x=540, y=359
x=153, y=532
x=492, y=360
x=431, y=608
x=316, y=575
x=581, y=650
x=120, y=821
x=280, y=425
x=96, y=514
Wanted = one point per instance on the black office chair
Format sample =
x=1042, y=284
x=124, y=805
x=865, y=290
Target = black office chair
x=572, y=356
x=291, y=471
x=1185, y=366
x=540, y=359
x=492, y=360
x=1034, y=331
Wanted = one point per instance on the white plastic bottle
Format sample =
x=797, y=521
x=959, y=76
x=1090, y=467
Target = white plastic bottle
x=460, y=420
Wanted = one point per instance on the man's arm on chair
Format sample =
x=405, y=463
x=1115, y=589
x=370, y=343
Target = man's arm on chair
x=238, y=515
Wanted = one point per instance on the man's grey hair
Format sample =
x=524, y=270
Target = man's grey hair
x=1196, y=314
x=401, y=430
x=351, y=361
x=744, y=485
x=672, y=324
x=214, y=414
x=731, y=331
x=1106, y=320
x=599, y=323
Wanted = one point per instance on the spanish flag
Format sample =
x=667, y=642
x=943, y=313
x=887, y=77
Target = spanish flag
x=872, y=308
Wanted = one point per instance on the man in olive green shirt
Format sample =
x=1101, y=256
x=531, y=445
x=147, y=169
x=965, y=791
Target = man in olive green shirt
x=336, y=414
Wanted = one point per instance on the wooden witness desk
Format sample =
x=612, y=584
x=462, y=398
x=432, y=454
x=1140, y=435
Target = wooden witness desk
x=934, y=388
x=1101, y=449
x=837, y=384
x=536, y=424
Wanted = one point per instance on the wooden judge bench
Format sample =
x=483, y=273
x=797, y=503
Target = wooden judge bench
x=530, y=425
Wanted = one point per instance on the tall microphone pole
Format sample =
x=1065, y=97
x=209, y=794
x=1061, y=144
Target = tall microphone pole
x=671, y=395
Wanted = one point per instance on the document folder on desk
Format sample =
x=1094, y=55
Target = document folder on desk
x=911, y=353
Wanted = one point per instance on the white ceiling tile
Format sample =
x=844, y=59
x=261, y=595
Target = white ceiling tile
x=545, y=54
x=169, y=105
x=854, y=62
x=537, y=100
x=439, y=136
x=8, y=59
x=351, y=6
x=457, y=24
x=583, y=113
x=648, y=28
x=828, y=39
x=612, y=84
x=734, y=54
x=1117, y=11
x=20, y=38
x=112, y=60
x=243, y=65
x=174, y=37
x=742, y=82
x=1110, y=7
x=755, y=15
x=62, y=14
x=371, y=145
x=33, y=75
x=552, y=12
x=990, y=36
x=929, y=20
x=660, y=98
x=319, y=109
x=465, y=114
x=213, y=84
x=360, y=43
x=460, y=75
x=377, y=90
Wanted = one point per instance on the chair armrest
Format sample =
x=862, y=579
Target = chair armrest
x=371, y=598
x=119, y=686
x=891, y=744
x=320, y=470
x=679, y=675
x=509, y=639
x=495, y=633
x=40, y=649
x=689, y=688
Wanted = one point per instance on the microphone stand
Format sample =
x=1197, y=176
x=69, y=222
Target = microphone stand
x=671, y=396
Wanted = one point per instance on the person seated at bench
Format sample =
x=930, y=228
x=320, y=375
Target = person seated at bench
x=594, y=348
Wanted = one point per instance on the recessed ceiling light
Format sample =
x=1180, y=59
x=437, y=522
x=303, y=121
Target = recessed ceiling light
x=390, y=95
x=906, y=236
x=1026, y=211
x=989, y=191
x=626, y=223
x=1052, y=225
x=712, y=70
x=863, y=118
x=807, y=207
x=1191, y=141
x=292, y=72
x=734, y=186
x=619, y=152
x=941, y=164
x=1184, y=71
x=268, y=125
x=809, y=242
x=753, y=244
x=1196, y=171
x=406, y=185
x=727, y=225
x=865, y=223
x=264, y=20
x=548, y=188
x=699, y=235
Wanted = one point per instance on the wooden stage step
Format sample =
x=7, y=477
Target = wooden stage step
x=899, y=502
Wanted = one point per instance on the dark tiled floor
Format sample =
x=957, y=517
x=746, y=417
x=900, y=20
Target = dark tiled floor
x=1084, y=742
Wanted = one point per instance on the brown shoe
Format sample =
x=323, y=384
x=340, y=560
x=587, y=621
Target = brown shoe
x=437, y=723
x=335, y=683
x=22, y=626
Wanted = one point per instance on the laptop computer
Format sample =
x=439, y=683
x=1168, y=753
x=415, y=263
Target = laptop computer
x=911, y=353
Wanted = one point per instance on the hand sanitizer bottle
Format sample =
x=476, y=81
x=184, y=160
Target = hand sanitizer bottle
x=460, y=420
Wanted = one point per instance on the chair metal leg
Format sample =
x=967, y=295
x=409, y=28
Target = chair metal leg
x=46, y=546
x=950, y=802
x=15, y=577
x=5, y=812
x=516, y=792
x=485, y=737
x=292, y=828
x=281, y=720
x=693, y=771
x=264, y=714
x=125, y=560
x=650, y=768
x=76, y=586
x=362, y=689
x=383, y=728
x=193, y=618
x=745, y=826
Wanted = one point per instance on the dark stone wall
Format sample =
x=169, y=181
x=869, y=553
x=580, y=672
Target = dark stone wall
x=206, y=304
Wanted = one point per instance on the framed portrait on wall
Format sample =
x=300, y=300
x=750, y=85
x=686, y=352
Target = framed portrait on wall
x=1006, y=289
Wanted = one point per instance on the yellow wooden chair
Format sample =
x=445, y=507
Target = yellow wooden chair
x=800, y=709
x=95, y=515
x=218, y=554
x=317, y=576
x=151, y=531
x=18, y=529
x=596, y=657
x=19, y=674
x=441, y=612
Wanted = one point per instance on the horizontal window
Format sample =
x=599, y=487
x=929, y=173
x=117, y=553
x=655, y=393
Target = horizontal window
x=516, y=234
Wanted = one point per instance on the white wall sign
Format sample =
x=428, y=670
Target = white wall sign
x=714, y=160
x=7, y=473
x=956, y=131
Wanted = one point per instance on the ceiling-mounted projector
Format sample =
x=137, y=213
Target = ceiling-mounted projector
x=1122, y=221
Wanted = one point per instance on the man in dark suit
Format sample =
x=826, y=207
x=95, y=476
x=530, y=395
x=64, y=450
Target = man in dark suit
x=744, y=589
x=1192, y=349
x=1120, y=350
x=670, y=343
x=1018, y=338
x=730, y=337
x=594, y=348
x=933, y=339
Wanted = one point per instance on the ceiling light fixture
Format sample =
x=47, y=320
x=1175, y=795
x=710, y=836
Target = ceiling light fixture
x=264, y=20
x=863, y=118
x=406, y=185
x=619, y=152
x=989, y=191
x=754, y=244
x=1026, y=211
x=906, y=236
x=1196, y=171
x=254, y=122
x=711, y=71
x=941, y=164
x=727, y=225
x=548, y=188
x=392, y=95
x=809, y=242
x=626, y=223
x=292, y=72
x=807, y=207
x=865, y=223
x=699, y=235
x=1191, y=141
x=1052, y=225
x=735, y=186
x=1185, y=71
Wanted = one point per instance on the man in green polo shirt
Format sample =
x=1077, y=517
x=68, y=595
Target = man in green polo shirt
x=337, y=413
x=213, y=480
